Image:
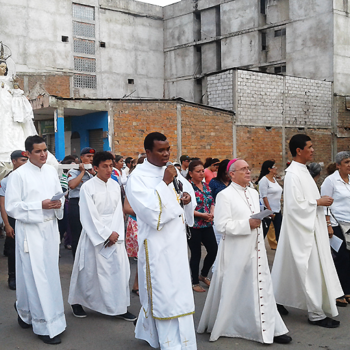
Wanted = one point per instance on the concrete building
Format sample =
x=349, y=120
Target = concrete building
x=197, y=50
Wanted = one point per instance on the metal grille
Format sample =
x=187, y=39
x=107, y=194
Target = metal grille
x=96, y=139
x=85, y=64
x=83, y=12
x=85, y=81
x=84, y=29
x=84, y=46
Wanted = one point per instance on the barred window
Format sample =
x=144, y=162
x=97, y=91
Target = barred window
x=83, y=12
x=83, y=64
x=84, y=46
x=85, y=81
x=83, y=29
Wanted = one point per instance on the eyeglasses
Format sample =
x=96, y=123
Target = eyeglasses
x=244, y=170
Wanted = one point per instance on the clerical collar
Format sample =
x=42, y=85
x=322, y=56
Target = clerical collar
x=299, y=164
x=35, y=166
x=239, y=187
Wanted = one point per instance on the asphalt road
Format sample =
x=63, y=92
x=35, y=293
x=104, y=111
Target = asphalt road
x=99, y=332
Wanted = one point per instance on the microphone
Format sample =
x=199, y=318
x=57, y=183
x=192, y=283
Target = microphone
x=175, y=181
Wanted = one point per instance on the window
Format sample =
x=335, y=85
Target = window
x=83, y=64
x=84, y=46
x=85, y=81
x=263, y=7
x=85, y=13
x=263, y=41
x=64, y=39
x=280, y=32
x=102, y=44
x=280, y=69
x=83, y=29
x=130, y=81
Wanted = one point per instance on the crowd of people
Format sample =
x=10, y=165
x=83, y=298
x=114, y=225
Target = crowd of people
x=107, y=209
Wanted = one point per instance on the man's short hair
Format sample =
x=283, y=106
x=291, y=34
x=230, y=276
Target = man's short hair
x=298, y=141
x=101, y=157
x=150, y=138
x=31, y=141
x=184, y=157
x=128, y=160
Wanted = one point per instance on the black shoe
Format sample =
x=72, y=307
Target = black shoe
x=21, y=322
x=12, y=283
x=78, y=311
x=127, y=317
x=282, y=339
x=326, y=323
x=52, y=341
x=282, y=310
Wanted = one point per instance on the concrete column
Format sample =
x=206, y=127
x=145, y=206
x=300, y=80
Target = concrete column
x=179, y=132
x=59, y=133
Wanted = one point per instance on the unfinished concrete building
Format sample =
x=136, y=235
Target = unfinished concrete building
x=196, y=50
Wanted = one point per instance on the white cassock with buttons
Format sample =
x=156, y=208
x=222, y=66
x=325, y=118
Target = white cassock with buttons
x=240, y=301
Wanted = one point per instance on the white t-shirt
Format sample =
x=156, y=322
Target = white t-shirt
x=272, y=191
x=335, y=187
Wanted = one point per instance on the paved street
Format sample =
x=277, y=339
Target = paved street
x=100, y=332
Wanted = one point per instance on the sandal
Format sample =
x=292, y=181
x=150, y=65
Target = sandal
x=347, y=298
x=205, y=280
x=198, y=288
x=342, y=302
x=135, y=291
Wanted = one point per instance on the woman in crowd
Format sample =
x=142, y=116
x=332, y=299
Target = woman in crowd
x=337, y=186
x=210, y=168
x=202, y=230
x=315, y=170
x=217, y=184
x=270, y=196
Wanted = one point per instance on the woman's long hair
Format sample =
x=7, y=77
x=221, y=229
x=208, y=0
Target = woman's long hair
x=191, y=167
x=222, y=171
x=265, y=169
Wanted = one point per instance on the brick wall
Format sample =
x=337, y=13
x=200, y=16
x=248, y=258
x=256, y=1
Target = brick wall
x=256, y=144
x=205, y=132
x=259, y=98
x=56, y=85
x=220, y=93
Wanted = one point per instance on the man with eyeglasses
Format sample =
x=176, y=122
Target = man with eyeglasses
x=240, y=301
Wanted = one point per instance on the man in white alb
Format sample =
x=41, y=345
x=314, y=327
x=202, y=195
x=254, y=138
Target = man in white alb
x=240, y=301
x=28, y=200
x=166, y=315
x=303, y=271
x=101, y=271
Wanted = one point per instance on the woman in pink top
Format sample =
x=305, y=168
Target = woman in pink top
x=211, y=167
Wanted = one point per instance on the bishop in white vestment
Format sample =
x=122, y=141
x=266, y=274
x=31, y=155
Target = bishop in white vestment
x=100, y=277
x=166, y=315
x=39, y=295
x=240, y=301
x=303, y=272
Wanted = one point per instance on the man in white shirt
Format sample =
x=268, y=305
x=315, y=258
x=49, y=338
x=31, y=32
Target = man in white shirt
x=101, y=271
x=303, y=272
x=240, y=301
x=166, y=315
x=28, y=200
x=185, y=162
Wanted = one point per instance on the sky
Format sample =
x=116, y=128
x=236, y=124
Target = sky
x=159, y=2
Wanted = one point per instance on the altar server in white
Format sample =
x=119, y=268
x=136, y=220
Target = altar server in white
x=240, y=301
x=303, y=272
x=28, y=200
x=101, y=271
x=166, y=296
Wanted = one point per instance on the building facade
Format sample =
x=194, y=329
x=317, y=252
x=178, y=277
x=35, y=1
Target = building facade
x=197, y=50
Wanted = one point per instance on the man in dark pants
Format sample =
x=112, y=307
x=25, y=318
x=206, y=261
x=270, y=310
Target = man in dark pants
x=18, y=158
x=76, y=177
